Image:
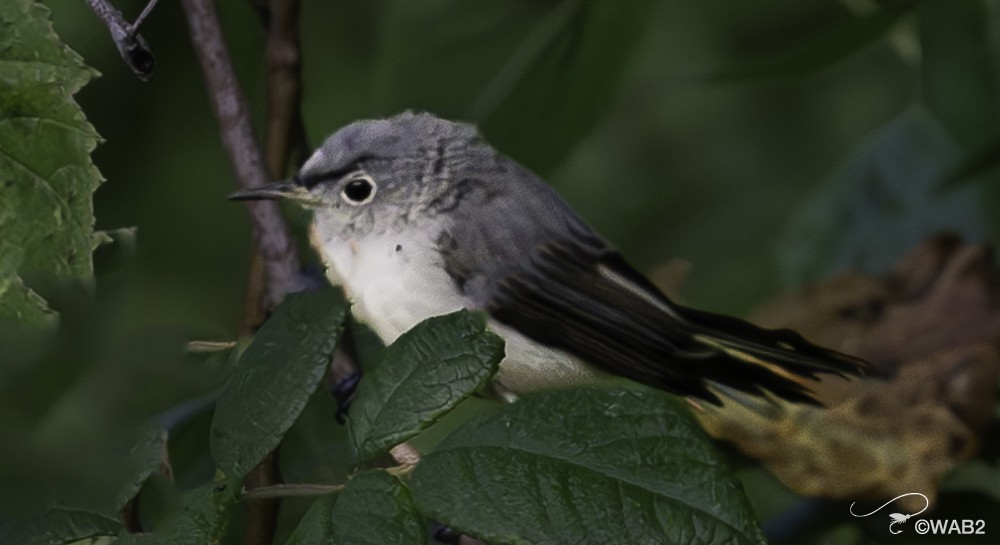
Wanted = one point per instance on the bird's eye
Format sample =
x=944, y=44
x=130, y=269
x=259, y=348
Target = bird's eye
x=359, y=190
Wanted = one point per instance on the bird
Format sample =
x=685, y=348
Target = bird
x=417, y=216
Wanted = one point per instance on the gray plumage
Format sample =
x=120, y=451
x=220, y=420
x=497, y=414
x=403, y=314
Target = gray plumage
x=418, y=216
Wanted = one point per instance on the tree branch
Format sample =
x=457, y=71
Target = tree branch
x=131, y=45
x=285, y=129
x=262, y=512
x=270, y=233
x=142, y=17
x=282, y=54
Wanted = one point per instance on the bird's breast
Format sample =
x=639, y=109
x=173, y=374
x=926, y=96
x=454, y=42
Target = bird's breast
x=394, y=281
x=397, y=281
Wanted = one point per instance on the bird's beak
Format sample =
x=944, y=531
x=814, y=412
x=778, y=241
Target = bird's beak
x=286, y=189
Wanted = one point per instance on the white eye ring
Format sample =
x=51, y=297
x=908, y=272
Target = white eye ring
x=359, y=189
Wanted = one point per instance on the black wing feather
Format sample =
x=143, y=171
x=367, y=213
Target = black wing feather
x=529, y=261
x=565, y=301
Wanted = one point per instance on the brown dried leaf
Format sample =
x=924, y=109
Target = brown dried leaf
x=932, y=326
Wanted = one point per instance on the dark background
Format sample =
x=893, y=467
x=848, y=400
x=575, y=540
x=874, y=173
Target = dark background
x=767, y=144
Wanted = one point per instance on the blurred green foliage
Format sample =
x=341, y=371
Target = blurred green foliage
x=46, y=212
x=766, y=145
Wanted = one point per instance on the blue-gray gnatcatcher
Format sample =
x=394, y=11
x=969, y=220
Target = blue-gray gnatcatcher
x=416, y=216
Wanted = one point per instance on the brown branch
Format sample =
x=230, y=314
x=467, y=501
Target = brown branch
x=284, y=127
x=131, y=45
x=282, y=54
x=270, y=233
x=254, y=307
x=262, y=513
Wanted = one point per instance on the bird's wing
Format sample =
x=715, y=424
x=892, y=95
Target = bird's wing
x=535, y=266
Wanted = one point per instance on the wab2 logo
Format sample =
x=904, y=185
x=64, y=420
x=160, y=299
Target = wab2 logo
x=928, y=526
x=953, y=526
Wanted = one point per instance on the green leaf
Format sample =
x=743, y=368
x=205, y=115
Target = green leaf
x=958, y=76
x=373, y=509
x=535, y=75
x=585, y=466
x=56, y=525
x=278, y=372
x=205, y=518
x=365, y=342
x=147, y=456
x=46, y=176
x=420, y=377
x=880, y=203
x=316, y=525
x=17, y=300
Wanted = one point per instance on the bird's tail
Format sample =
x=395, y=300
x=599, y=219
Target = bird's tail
x=739, y=355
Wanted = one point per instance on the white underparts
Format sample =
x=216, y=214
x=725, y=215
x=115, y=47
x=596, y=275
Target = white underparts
x=395, y=281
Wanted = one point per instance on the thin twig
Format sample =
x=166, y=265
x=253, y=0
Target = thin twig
x=142, y=17
x=131, y=45
x=209, y=347
x=270, y=233
x=290, y=491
